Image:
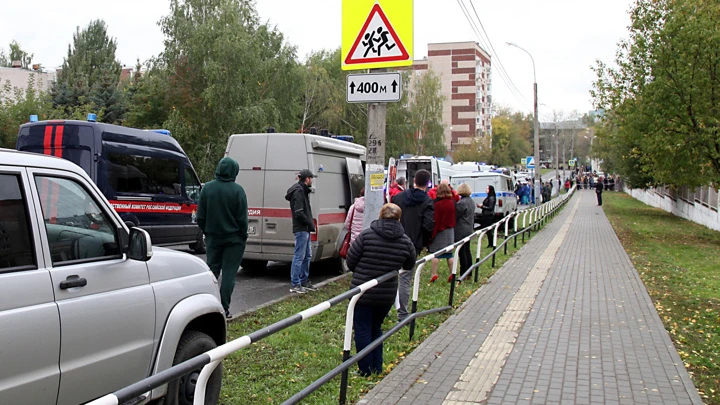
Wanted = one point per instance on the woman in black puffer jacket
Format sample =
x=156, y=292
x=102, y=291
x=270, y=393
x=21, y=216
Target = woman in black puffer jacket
x=382, y=248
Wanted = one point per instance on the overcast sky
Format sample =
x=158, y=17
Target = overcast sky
x=564, y=36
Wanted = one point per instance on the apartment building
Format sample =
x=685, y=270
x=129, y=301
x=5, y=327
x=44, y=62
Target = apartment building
x=464, y=69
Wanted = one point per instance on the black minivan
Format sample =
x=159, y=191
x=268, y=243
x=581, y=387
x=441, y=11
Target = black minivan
x=146, y=175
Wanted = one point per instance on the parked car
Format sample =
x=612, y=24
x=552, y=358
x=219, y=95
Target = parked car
x=88, y=306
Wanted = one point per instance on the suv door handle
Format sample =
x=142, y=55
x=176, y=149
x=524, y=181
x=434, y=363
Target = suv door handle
x=73, y=281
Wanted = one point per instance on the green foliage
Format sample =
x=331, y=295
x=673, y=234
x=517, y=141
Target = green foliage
x=662, y=101
x=228, y=73
x=426, y=108
x=16, y=106
x=510, y=141
x=16, y=53
x=146, y=98
x=90, y=74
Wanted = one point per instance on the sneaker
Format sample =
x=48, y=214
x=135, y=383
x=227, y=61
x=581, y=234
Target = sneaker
x=227, y=314
x=298, y=290
x=309, y=286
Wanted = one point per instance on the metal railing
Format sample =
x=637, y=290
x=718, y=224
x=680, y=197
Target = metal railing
x=209, y=360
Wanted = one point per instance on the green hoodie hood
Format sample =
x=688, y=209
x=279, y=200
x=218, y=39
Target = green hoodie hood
x=227, y=170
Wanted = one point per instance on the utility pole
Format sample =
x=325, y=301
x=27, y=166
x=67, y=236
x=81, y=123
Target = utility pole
x=375, y=167
x=536, y=135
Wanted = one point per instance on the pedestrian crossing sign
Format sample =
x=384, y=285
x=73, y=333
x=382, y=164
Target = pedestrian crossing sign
x=376, y=33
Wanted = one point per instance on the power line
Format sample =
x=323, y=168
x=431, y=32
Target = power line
x=497, y=56
x=502, y=73
x=491, y=49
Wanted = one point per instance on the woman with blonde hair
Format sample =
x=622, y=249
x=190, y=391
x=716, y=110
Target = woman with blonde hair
x=464, y=221
x=378, y=250
x=444, y=232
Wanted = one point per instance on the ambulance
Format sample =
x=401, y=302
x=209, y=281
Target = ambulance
x=269, y=164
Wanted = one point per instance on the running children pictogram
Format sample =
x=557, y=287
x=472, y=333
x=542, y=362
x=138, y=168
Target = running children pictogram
x=377, y=41
x=380, y=38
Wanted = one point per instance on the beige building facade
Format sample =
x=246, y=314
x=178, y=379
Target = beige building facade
x=20, y=78
x=464, y=70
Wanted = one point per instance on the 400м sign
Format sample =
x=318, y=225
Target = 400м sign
x=374, y=88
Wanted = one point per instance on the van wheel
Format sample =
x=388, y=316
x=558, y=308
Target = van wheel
x=254, y=265
x=199, y=246
x=182, y=390
x=337, y=265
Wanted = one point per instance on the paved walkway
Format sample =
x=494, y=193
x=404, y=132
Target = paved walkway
x=566, y=320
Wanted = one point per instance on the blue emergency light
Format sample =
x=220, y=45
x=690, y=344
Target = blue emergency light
x=33, y=118
x=92, y=117
x=346, y=138
x=161, y=131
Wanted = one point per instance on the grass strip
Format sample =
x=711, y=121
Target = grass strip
x=273, y=369
x=678, y=260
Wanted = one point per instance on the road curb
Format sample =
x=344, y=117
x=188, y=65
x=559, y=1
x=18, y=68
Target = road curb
x=284, y=297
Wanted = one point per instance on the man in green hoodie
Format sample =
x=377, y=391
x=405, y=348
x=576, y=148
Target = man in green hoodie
x=223, y=217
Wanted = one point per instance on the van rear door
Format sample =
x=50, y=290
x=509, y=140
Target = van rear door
x=66, y=140
x=249, y=151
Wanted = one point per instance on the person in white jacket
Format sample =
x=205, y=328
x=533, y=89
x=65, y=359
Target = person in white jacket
x=356, y=214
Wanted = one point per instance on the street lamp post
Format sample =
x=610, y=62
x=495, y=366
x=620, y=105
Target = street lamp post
x=536, y=136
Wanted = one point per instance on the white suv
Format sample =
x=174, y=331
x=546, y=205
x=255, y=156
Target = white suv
x=86, y=305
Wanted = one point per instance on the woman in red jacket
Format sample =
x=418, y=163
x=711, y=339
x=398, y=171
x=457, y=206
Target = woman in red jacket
x=444, y=232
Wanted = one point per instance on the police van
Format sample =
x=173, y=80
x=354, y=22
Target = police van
x=269, y=163
x=146, y=175
x=506, y=201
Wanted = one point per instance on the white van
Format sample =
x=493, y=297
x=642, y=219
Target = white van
x=269, y=163
x=438, y=168
x=478, y=182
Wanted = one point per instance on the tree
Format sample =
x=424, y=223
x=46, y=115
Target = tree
x=662, y=100
x=478, y=150
x=16, y=106
x=147, y=97
x=228, y=73
x=107, y=97
x=426, y=107
x=16, y=54
x=90, y=59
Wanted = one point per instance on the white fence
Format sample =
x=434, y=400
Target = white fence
x=699, y=205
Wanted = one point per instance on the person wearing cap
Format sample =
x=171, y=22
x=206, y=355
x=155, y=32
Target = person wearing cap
x=303, y=225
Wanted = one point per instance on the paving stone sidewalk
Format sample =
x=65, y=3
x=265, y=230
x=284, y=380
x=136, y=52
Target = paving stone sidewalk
x=565, y=320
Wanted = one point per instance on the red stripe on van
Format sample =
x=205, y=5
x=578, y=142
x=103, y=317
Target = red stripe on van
x=270, y=212
x=57, y=143
x=327, y=219
x=47, y=142
x=152, y=207
x=323, y=219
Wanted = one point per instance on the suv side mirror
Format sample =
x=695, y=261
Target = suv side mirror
x=140, y=246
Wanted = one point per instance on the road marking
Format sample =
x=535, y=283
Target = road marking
x=484, y=369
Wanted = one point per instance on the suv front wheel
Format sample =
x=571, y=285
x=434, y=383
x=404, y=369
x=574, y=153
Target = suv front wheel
x=182, y=390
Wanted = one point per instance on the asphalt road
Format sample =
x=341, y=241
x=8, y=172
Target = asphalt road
x=255, y=289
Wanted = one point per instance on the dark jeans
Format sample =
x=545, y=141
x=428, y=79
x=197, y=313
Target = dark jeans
x=224, y=258
x=367, y=323
x=599, y=197
x=465, y=258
